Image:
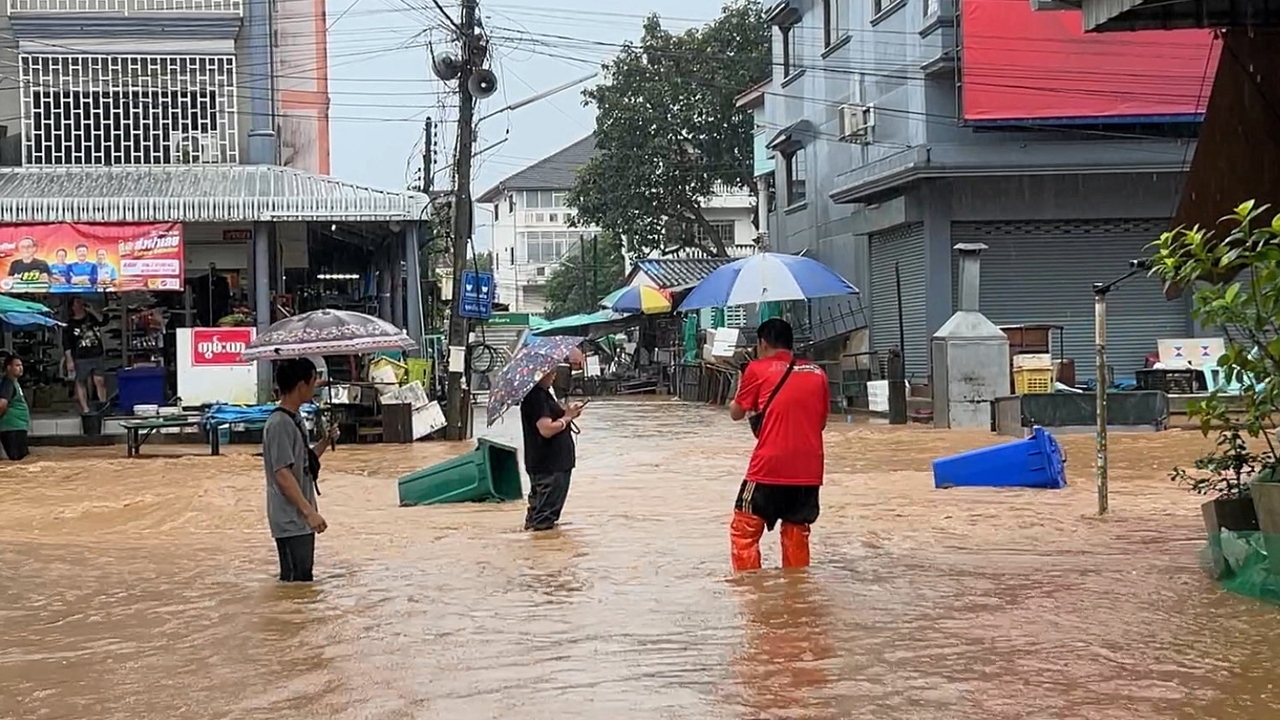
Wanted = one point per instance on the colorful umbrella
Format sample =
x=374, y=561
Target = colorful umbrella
x=641, y=299
x=766, y=277
x=607, y=301
x=327, y=332
x=536, y=358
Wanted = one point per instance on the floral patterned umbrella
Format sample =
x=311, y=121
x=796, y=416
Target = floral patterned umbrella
x=534, y=359
x=327, y=332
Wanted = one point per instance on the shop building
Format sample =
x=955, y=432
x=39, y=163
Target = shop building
x=898, y=131
x=1236, y=157
x=134, y=120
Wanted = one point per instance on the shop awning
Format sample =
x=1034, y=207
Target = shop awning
x=791, y=137
x=194, y=193
x=601, y=321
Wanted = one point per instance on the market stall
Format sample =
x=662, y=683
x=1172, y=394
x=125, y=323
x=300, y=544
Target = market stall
x=129, y=279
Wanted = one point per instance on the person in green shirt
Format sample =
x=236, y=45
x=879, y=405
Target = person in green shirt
x=15, y=417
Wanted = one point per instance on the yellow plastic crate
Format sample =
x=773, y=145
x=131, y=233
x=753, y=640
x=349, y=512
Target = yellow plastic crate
x=419, y=370
x=1033, y=381
x=398, y=369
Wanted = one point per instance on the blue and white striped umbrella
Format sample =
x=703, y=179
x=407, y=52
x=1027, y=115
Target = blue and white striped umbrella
x=767, y=277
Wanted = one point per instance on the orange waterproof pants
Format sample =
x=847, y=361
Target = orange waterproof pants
x=745, y=531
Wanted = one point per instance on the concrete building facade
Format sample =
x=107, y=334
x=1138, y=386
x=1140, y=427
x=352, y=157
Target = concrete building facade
x=532, y=227
x=878, y=177
x=158, y=82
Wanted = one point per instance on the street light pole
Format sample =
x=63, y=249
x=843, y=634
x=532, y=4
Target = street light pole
x=1100, y=291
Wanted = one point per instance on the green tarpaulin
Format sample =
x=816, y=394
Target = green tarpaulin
x=14, y=305
x=583, y=323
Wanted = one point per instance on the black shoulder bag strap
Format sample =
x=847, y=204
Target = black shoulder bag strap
x=757, y=420
x=313, y=460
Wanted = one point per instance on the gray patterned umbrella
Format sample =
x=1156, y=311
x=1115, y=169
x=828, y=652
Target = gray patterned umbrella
x=327, y=332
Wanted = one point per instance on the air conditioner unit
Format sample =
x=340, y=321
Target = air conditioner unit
x=856, y=123
x=195, y=148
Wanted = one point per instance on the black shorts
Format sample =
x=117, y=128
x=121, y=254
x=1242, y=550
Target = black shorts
x=794, y=504
x=14, y=443
x=297, y=557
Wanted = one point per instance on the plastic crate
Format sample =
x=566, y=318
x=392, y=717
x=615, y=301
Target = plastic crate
x=1033, y=381
x=1033, y=361
x=1182, y=381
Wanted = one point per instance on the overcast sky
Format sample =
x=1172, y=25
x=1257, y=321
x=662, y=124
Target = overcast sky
x=382, y=88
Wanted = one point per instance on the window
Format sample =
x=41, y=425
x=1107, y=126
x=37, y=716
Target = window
x=544, y=199
x=723, y=230
x=735, y=316
x=833, y=21
x=795, y=177
x=930, y=8
x=788, y=66
x=135, y=110
x=544, y=248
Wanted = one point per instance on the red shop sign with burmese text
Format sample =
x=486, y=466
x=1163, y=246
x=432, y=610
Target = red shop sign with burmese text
x=219, y=346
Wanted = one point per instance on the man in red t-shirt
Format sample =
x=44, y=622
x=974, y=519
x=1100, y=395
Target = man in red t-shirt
x=786, y=466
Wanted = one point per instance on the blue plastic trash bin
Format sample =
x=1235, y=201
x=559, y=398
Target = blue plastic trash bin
x=1036, y=462
x=139, y=386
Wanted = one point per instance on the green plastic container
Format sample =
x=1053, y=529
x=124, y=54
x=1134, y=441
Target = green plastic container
x=488, y=473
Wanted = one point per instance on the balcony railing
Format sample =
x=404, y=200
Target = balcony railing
x=125, y=7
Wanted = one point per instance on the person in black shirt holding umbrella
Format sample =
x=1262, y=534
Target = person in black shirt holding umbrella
x=549, y=452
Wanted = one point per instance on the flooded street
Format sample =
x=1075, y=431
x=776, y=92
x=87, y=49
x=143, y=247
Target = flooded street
x=144, y=589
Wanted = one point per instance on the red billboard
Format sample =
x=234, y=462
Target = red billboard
x=1023, y=64
x=83, y=258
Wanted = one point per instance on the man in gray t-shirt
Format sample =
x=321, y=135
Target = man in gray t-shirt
x=290, y=467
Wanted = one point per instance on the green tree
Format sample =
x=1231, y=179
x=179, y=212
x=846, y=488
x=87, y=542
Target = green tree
x=589, y=271
x=667, y=130
x=481, y=261
x=1236, y=277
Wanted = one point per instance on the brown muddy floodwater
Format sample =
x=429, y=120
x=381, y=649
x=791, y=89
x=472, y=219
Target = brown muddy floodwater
x=144, y=588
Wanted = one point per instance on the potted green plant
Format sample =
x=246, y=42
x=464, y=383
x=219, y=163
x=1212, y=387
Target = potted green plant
x=1225, y=475
x=1235, y=272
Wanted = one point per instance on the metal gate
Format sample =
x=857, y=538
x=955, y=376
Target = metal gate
x=902, y=248
x=1043, y=272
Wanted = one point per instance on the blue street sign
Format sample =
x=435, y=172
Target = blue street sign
x=477, y=295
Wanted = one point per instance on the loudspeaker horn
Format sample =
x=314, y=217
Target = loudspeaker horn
x=483, y=83
x=446, y=66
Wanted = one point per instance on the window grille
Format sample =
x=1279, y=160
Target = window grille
x=128, y=110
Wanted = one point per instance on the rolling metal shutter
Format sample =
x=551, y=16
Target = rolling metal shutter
x=1043, y=272
x=903, y=247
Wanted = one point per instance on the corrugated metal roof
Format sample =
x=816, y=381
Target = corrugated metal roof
x=679, y=273
x=193, y=193
x=557, y=171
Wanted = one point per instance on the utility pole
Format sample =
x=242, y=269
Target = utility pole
x=428, y=138
x=429, y=227
x=582, y=266
x=458, y=399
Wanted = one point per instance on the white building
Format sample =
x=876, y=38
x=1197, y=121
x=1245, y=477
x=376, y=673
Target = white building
x=531, y=230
